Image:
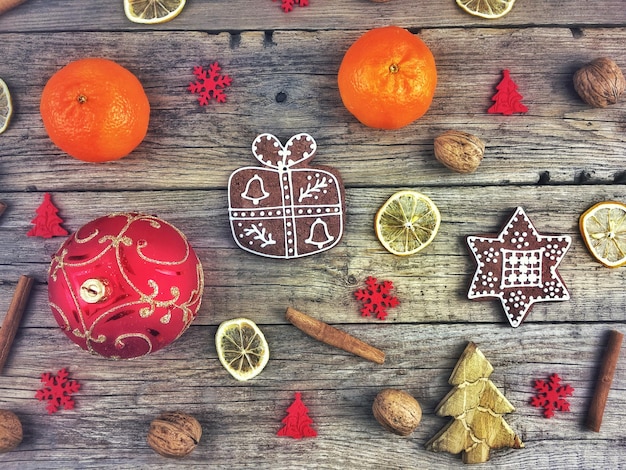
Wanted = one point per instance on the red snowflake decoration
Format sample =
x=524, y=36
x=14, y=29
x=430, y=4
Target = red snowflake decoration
x=287, y=5
x=507, y=99
x=376, y=298
x=58, y=391
x=209, y=84
x=297, y=422
x=47, y=222
x=551, y=395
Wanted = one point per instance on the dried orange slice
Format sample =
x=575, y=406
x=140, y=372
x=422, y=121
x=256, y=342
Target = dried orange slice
x=241, y=348
x=6, y=107
x=407, y=222
x=152, y=11
x=490, y=9
x=603, y=228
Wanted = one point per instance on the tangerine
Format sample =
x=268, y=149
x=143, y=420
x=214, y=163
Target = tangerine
x=387, y=78
x=95, y=110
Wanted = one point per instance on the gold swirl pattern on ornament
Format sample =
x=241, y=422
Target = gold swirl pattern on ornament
x=99, y=339
x=68, y=284
x=115, y=241
x=119, y=341
x=153, y=304
x=88, y=238
x=144, y=298
x=141, y=244
x=87, y=334
x=59, y=310
x=99, y=255
x=194, y=296
x=57, y=263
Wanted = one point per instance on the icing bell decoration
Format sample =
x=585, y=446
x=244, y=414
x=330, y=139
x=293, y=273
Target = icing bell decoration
x=125, y=285
x=286, y=208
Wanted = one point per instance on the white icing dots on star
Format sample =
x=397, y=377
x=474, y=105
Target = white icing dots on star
x=518, y=266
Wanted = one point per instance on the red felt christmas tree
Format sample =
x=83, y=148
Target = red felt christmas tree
x=47, y=222
x=297, y=422
x=507, y=99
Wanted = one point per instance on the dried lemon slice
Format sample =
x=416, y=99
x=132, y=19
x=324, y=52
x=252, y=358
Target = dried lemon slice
x=486, y=8
x=6, y=107
x=241, y=348
x=603, y=228
x=407, y=222
x=152, y=11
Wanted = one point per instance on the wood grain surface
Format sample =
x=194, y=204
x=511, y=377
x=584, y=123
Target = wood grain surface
x=555, y=161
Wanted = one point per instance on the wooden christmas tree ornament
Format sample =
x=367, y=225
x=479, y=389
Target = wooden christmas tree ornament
x=476, y=406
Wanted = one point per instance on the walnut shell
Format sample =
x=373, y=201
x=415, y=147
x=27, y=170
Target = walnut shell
x=174, y=434
x=397, y=411
x=600, y=83
x=459, y=151
x=10, y=431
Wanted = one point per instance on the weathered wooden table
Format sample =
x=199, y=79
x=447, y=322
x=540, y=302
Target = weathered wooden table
x=555, y=161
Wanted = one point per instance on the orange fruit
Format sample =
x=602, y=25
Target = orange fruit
x=387, y=78
x=95, y=110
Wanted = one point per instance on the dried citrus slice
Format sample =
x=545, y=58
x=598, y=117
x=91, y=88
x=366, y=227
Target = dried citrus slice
x=603, y=228
x=407, y=222
x=241, y=348
x=486, y=8
x=6, y=107
x=152, y=11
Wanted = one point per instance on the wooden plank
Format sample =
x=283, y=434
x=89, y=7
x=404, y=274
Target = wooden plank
x=432, y=285
x=560, y=140
x=115, y=406
x=229, y=15
x=555, y=161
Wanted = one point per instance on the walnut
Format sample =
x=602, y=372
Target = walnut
x=10, y=431
x=397, y=411
x=174, y=434
x=600, y=83
x=459, y=151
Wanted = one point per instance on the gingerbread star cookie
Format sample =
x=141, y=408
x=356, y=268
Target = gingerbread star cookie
x=518, y=266
x=286, y=208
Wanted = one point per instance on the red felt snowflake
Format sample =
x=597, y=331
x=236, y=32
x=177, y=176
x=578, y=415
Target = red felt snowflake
x=297, y=423
x=47, y=222
x=287, y=5
x=57, y=390
x=507, y=99
x=376, y=298
x=551, y=395
x=209, y=84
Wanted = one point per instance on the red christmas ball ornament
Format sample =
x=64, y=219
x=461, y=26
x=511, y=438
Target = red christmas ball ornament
x=125, y=285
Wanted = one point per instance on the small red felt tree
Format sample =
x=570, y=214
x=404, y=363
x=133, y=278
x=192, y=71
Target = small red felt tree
x=507, y=99
x=297, y=422
x=47, y=222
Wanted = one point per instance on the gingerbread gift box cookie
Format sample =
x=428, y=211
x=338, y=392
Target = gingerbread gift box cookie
x=518, y=266
x=286, y=208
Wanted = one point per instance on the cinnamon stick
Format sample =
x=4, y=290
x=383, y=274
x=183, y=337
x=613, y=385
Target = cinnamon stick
x=332, y=336
x=6, y=5
x=13, y=317
x=603, y=385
